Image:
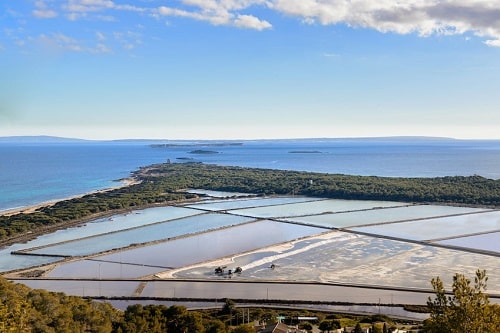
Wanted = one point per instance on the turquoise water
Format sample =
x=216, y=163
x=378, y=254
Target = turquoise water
x=33, y=173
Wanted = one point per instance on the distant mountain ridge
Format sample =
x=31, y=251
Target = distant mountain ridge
x=46, y=139
x=56, y=139
x=39, y=139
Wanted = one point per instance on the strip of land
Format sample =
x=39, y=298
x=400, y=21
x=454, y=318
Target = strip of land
x=163, y=184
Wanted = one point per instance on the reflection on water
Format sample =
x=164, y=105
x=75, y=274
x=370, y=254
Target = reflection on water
x=487, y=242
x=184, y=226
x=350, y=219
x=217, y=291
x=398, y=311
x=114, y=223
x=208, y=240
x=190, y=250
x=219, y=194
x=438, y=228
x=347, y=258
x=117, y=222
x=316, y=207
x=242, y=203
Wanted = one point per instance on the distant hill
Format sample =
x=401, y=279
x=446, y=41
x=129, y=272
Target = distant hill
x=38, y=139
x=167, y=142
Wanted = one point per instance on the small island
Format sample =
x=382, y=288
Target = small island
x=206, y=144
x=304, y=152
x=203, y=152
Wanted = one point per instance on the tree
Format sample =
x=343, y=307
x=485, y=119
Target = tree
x=467, y=310
x=329, y=325
x=181, y=321
x=228, y=307
x=244, y=328
x=358, y=329
x=215, y=326
x=306, y=326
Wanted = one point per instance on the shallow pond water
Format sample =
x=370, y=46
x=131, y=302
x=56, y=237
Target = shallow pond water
x=186, y=251
x=148, y=233
x=348, y=258
x=384, y=215
x=313, y=207
x=487, y=242
x=202, y=241
x=242, y=203
x=438, y=228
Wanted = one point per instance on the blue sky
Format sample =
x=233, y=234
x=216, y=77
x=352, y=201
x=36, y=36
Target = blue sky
x=246, y=69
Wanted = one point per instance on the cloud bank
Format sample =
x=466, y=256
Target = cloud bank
x=480, y=18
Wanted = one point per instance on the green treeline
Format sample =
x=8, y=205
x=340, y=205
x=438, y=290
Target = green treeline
x=164, y=183
x=473, y=190
x=25, y=310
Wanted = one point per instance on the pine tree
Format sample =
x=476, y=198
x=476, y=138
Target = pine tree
x=467, y=310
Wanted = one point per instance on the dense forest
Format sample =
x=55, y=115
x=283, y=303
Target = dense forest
x=166, y=183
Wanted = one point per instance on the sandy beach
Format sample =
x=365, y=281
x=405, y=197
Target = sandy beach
x=30, y=209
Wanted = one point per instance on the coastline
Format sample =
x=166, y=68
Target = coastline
x=124, y=182
x=32, y=234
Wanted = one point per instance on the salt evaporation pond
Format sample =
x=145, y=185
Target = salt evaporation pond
x=185, y=251
x=486, y=242
x=446, y=227
x=220, y=194
x=242, y=203
x=129, y=220
x=298, y=252
x=149, y=233
x=342, y=257
x=314, y=207
x=118, y=222
x=382, y=215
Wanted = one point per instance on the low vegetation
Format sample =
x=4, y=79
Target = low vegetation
x=164, y=183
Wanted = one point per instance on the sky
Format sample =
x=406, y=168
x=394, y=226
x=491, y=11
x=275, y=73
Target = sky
x=250, y=69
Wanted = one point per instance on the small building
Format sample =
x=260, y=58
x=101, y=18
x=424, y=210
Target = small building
x=280, y=328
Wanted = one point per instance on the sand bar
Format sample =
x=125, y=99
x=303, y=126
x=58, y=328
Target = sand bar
x=32, y=208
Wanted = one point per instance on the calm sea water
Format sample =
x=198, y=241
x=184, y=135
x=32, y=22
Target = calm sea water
x=32, y=173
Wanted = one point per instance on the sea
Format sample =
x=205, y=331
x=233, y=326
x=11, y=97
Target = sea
x=34, y=171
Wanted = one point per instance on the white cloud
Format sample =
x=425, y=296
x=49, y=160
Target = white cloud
x=129, y=40
x=101, y=48
x=422, y=17
x=44, y=13
x=493, y=42
x=58, y=42
x=249, y=21
x=88, y=5
x=218, y=13
x=100, y=36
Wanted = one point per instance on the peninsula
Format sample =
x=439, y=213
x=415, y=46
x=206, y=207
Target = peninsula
x=164, y=183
